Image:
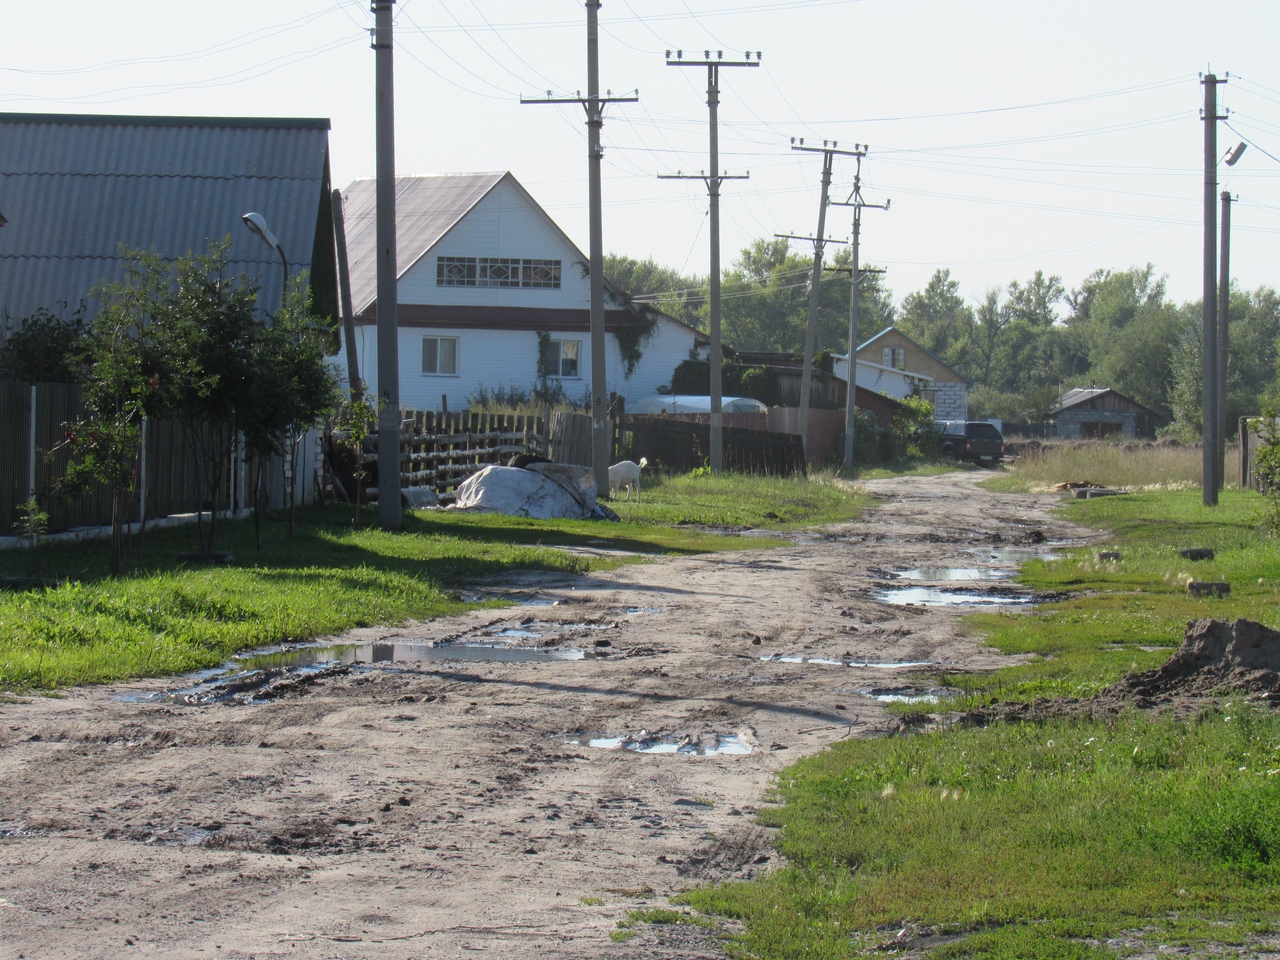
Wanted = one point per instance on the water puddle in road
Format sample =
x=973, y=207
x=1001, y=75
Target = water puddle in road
x=850, y=662
x=949, y=574
x=908, y=695
x=939, y=597
x=252, y=677
x=729, y=744
x=1012, y=554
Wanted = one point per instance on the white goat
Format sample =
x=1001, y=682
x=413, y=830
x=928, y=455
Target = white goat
x=626, y=474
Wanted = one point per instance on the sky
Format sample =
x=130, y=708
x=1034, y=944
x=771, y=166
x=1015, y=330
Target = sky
x=1008, y=136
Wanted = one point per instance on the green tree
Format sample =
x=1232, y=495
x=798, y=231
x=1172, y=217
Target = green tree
x=120, y=386
x=43, y=348
x=939, y=320
x=646, y=281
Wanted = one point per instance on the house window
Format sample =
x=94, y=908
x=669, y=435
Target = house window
x=895, y=357
x=565, y=354
x=440, y=356
x=497, y=272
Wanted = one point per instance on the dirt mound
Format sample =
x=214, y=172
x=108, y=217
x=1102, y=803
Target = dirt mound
x=1216, y=657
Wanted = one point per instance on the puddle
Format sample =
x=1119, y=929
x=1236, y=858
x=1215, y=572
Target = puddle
x=518, y=634
x=907, y=695
x=1012, y=554
x=245, y=677
x=632, y=611
x=938, y=597
x=884, y=665
x=730, y=744
x=947, y=574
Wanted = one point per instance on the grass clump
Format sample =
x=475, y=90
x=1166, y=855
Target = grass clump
x=1131, y=464
x=1041, y=837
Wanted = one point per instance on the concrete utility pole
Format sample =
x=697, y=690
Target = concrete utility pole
x=388, y=300
x=594, y=104
x=855, y=291
x=1224, y=310
x=713, y=188
x=1210, y=462
x=828, y=152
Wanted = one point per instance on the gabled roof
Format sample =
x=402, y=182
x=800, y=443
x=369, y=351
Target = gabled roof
x=1080, y=395
x=76, y=188
x=427, y=208
x=923, y=350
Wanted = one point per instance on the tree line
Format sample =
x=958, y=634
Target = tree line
x=1020, y=344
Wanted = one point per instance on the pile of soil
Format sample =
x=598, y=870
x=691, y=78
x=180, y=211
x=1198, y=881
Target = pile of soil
x=1216, y=658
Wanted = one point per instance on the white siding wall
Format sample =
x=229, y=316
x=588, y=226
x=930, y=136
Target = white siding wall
x=495, y=359
x=503, y=224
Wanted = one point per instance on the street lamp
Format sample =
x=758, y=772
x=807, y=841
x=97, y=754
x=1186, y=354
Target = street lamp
x=257, y=223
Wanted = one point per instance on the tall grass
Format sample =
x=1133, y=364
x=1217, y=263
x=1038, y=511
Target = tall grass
x=1133, y=465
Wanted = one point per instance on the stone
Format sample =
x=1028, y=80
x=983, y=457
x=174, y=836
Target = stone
x=1108, y=556
x=1196, y=553
x=1208, y=588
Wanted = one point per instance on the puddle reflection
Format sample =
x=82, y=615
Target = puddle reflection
x=730, y=744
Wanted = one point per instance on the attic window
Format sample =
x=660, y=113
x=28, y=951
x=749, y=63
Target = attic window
x=894, y=357
x=497, y=272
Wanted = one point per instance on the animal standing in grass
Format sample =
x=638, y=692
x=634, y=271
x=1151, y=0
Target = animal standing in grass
x=626, y=474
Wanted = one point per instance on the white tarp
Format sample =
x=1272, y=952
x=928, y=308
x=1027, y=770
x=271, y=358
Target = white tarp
x=542, y=490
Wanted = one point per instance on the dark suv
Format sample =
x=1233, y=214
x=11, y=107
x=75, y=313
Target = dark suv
x=975, y=440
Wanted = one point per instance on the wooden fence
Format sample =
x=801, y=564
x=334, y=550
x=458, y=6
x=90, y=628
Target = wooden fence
x=683, y=445
x=440, y=450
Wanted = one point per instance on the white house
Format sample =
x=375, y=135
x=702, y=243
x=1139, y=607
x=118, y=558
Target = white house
x=490, y=290
x=898, y=384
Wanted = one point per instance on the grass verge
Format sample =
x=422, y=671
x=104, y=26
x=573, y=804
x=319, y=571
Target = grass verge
x=168, y=617
x=1065, y=839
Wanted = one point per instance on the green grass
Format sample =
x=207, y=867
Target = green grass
x=1120, y=609
x=1034, y=836
x=1045, y=840
x=166, y=617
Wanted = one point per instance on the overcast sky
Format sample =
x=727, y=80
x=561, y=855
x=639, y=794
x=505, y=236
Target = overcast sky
x=1010, y=135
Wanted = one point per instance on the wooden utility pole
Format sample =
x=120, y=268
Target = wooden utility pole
x=713, y=188
x=344, y=298
x=388, y=298
x=601, y=441
x=855, y=292
x=1209, y=462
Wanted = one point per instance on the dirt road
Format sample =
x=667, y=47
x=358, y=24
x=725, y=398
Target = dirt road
x=449, y=808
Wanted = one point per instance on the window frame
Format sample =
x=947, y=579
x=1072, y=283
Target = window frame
x=558, y=347
x=439, y=340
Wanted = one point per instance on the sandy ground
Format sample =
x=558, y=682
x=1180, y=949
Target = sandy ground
x=448, y=809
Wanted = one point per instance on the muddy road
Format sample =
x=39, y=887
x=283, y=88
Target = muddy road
x=396, y=807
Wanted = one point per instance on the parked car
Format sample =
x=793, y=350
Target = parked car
x=974, y=440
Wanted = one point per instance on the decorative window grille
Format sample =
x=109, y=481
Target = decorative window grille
x=497, y=272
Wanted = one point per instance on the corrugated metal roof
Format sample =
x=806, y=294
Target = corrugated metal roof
x=75, y=189
x=427, y=207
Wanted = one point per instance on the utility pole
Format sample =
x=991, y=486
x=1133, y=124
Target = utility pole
x=855, y=292
x=828, y=152
x=594, y=104
x=713, y=189
x=344, y=294
x=388, y=300
x=1209, y=326
x=1224, y=310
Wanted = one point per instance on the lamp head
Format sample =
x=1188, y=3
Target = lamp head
x=257, y=223
x=1234, y=154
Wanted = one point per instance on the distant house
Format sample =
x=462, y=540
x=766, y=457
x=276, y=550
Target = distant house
x=888, y=381
x=75, y=189
x=1092, y=413
x=493, y=295
x=892, y=350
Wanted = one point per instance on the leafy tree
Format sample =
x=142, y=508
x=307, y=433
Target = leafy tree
x=764, y=298
x=120, y=387
x=43, y=348
x=673, y=293
x=205, y=338
x=939, y=320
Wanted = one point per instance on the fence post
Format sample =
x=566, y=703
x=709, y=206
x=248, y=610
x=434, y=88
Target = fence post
x=31, y=448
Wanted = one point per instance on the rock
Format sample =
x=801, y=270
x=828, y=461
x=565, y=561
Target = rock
x=1108, y=556
x=1196, y=553
x=1104, y=492
x=1208, y=588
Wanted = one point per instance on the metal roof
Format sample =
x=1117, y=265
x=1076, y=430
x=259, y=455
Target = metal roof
x=427, y=207
x=75, y=189
x=1079, y=395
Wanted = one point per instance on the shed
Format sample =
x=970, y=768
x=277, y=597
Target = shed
x=1097, y=412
